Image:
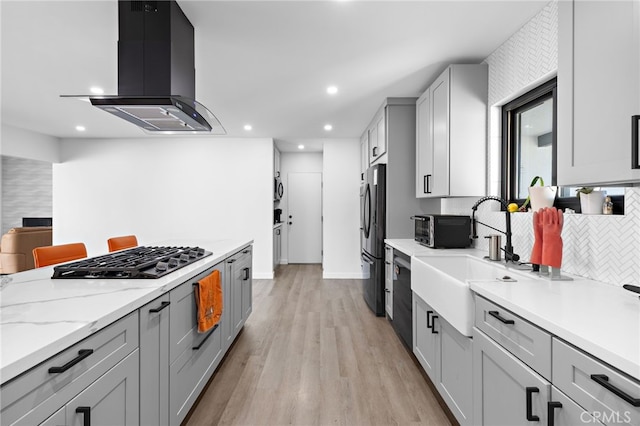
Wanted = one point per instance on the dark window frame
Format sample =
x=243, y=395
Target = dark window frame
x=509, y=161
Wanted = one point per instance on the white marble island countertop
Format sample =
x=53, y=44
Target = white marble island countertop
x=40, y=316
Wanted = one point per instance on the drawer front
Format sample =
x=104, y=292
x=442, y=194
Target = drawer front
x=36, y=394
x=183, y=326
x=572, y=374
x=529, y=343
x=565, y=412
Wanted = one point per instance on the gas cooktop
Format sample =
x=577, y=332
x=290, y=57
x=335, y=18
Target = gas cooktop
x=138, y=262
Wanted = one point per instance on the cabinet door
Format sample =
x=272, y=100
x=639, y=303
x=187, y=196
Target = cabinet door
x=426, y=337
x=364, y=154
x=439, y=183
x=598, y=90
x=424, y=145
x=154, y=362
x=563, y=411
x=455, y=378
x=381, y=130
x=110, y=400
x=246, y=278
x=388, y=281
x=505, y=390
x=235, y=288
x=275, y=247
x=373, y=142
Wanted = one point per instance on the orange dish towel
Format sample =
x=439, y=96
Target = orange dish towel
x=208, y=295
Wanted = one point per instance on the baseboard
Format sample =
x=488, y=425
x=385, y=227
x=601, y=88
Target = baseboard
x=263, y=276
x=342, y=275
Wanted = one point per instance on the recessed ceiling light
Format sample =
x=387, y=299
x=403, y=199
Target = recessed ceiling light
x=300, y=146
x=97, y=90
x=247, y=127
x=80, y=128
x=328, y=127
x=332, y=90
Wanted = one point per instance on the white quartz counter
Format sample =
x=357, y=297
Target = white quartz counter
x=599, y=318
x=40, y=317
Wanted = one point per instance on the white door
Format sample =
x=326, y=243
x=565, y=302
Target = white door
x=304, y=218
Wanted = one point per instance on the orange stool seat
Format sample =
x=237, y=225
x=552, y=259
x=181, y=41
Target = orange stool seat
x=120, y=243
x=52, y=255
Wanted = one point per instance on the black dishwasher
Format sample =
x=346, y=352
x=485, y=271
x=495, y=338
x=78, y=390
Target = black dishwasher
x=402, y=298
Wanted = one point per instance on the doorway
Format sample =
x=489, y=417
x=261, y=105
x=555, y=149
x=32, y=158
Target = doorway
x=304, y=217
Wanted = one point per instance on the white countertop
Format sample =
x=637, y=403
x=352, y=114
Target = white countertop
x=599, y=318
x=40, y=317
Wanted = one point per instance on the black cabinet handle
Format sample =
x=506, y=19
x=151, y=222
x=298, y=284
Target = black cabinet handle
x=246, y=274
x=497, y=316
x=159, y=308
x=427, y=184
x=86, y=414
x=530, y=416
x=231, y=260
x=245, y=251
x=603, y=381
x=431, y=318
x=387, y=290
x=82, y=354
x=552, y=405
x=635, y=164
x=375, y=151
x=195, y=348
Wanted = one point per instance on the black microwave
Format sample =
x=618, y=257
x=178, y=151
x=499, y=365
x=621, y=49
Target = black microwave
x=443, y=230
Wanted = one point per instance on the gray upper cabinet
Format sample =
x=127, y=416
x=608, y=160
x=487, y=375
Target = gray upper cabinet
x=378, y=136
x=364, y=153
x=451, y=131
x=598, y=90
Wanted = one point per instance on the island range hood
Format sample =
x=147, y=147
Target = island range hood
x=156, y=72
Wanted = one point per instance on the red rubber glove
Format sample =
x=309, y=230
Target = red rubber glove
x=536, y=251
x=552, y=241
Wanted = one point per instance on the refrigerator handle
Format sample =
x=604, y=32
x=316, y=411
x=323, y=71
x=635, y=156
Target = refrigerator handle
x=364, y=259
x=635, y=164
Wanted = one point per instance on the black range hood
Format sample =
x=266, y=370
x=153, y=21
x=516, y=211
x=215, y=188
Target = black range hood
x=156, y=72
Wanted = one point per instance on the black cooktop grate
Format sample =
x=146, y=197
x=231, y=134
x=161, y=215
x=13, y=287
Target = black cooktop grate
x=138, y=262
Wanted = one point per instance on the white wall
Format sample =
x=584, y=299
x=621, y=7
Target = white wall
x=160, y=189
x=294, y=162
x=17, y=142
x=341, y=209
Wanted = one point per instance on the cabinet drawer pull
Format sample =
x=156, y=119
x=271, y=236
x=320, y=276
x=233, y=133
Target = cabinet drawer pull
x=427, y=181
x=530, y=416
x=245, y=251
x=603, y=381
x=195, y=348
x=86, y=414
x=635, y=149
x=431, y=318
x=552, y=405
x=246, y=274
x=231, y=260
x=375, y=151
x=497, y=316
x=82, y=354
x=159, y=308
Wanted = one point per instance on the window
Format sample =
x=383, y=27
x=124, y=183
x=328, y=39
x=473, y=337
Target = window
x=529, y=149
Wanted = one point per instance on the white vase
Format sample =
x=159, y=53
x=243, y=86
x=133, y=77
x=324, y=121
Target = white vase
x=542, y=196
x=592, y=203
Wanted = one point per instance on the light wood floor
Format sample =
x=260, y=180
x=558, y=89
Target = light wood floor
x=312, y=353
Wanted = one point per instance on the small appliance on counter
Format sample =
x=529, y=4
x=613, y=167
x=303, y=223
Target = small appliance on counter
x=443, y=230
x=277, y=216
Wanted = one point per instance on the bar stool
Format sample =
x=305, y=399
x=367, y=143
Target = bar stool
x=51, y=255
x=120, y=243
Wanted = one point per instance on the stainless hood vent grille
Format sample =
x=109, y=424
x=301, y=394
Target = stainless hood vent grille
x=156, y=73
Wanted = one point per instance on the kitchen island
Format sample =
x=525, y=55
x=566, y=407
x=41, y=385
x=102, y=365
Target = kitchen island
x=126, y=325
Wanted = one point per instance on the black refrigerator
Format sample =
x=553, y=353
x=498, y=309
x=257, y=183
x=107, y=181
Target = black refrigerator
x=372, y=232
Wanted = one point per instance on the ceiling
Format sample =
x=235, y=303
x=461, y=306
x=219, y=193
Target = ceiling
x=263, y=63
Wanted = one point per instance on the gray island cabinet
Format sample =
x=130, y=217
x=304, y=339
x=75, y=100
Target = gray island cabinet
x=148, y=367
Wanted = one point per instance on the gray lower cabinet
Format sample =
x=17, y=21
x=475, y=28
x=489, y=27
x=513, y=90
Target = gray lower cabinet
x=34, y=396
x=239, y=273
x=388, y=281
x=505, y=390
x=110, y=400
x=193, y=355
x=154, y=362
x=446, y=356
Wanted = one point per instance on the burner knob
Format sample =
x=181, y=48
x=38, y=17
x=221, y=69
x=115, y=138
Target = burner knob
x=173, y=262
x=200, y=251
x=161, y=266
x=193, y=254
x=184, y=257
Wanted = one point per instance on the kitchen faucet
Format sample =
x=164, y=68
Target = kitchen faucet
x=509, y=255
